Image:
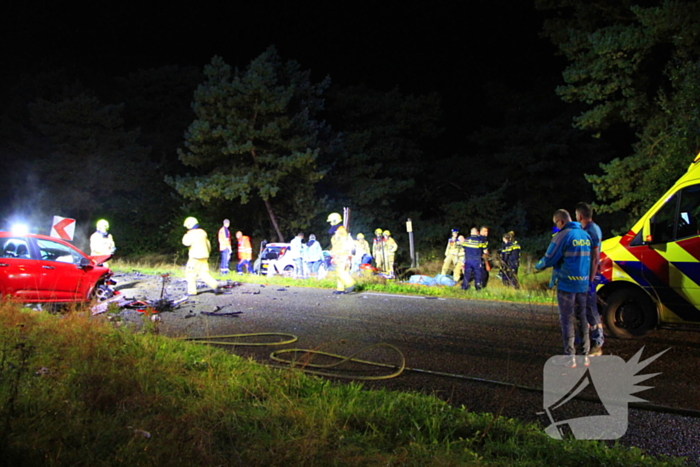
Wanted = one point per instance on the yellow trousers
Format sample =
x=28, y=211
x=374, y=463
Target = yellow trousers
x=389, y=266
x=345, y=280
x=198, y=269
x=452, y=264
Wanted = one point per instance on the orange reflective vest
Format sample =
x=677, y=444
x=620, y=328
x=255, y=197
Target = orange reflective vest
x=245, y=249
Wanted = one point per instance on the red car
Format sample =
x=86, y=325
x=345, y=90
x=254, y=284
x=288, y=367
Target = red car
x=37, y=268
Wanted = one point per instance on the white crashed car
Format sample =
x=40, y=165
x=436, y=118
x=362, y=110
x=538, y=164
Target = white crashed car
x=275, y=260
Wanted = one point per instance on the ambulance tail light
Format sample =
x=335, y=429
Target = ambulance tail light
x=606, y=267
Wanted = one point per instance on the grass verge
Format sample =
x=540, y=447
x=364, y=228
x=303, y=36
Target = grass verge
x=76, y=391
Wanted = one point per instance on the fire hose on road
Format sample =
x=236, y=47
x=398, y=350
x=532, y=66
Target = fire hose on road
x=307, y=366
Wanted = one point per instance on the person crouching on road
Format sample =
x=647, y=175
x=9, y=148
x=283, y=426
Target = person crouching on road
x=569, y=253
x=198, y=262
x=341, y=253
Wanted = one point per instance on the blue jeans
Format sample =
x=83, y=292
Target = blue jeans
x=241, y=263
x=313, y=266
x=299, y=268
x=595, y=325
x=572, y=315
x=593, y=318
x=356, y=261
x=225, y=257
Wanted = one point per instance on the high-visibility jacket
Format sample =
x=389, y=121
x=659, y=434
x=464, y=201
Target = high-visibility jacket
x=341, y=245
x=569, y=254
x=101, y=243
x=510, y=254
x=378, y=248
x=361, y=247
x=224, y=239
x=245, y=249
x=197, y=241
x=390, y=246
x=454, y=248
x=473, y=247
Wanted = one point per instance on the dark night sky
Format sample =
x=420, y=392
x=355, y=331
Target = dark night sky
x=448, y=47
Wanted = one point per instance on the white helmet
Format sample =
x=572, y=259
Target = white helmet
x=190, y=222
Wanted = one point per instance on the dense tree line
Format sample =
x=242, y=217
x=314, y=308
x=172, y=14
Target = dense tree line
x=276, y=149
x=634, y=64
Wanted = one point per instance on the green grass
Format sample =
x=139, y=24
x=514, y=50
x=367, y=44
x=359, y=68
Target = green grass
x=76, y=391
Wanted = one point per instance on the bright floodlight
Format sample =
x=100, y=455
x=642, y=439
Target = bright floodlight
x=19, y=229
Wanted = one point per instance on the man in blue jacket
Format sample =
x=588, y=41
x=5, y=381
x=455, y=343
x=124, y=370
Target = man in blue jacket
x=569, y=254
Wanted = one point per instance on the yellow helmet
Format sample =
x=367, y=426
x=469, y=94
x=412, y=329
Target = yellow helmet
x=102, y=225
x=190, y=222
x=378, y=232
x=387, y=233
x=360, y=236
x=334, y=218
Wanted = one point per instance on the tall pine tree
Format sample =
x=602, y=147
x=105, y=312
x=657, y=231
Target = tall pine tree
x=256, y=135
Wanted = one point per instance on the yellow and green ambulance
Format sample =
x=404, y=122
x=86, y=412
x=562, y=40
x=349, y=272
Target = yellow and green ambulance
x=651, y=275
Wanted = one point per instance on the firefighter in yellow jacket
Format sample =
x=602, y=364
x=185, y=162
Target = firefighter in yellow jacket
x=390, y=248
x=342, y=246
x=378, y=250
x=361, y=251
x=198, y=262
x=101, y=241
x=452, y=252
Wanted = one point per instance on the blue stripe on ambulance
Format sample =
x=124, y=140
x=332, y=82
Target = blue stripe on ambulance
x=689, y=269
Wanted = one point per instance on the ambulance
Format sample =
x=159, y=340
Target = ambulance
x=651, y=276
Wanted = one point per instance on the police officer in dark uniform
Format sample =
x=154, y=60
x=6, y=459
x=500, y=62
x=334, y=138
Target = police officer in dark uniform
x=485, y=261
x=510, y=256
x=473, y=249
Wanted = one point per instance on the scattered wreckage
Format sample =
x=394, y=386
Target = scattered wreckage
x=152, y=307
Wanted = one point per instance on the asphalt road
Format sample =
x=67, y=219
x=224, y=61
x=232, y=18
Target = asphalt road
x=479, y=343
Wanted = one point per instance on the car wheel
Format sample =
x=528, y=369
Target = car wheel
x=103, y=292
x=288, y=271
x=630, y=313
